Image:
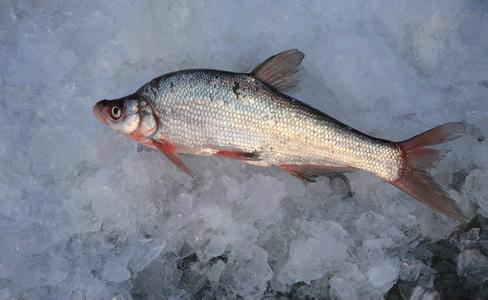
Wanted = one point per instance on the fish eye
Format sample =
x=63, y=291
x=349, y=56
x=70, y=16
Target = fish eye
x=116, y=112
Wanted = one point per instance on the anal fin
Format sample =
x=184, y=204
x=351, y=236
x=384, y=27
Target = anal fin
x=311, y=172
x=170, y=151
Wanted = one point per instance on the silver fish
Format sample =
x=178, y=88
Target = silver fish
x=247, y=116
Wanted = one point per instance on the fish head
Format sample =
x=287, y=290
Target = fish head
x=132, y=116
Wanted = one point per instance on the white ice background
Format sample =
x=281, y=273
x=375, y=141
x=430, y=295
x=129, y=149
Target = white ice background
x=86, y=213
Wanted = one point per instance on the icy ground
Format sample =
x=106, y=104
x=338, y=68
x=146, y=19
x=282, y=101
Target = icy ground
x=87, y=214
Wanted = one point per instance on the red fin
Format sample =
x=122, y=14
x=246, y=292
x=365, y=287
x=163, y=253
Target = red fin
x=311, y=172
x=420, y=185
x=438, y=135
x=415, y=180
x=170, y=151
x=238, y=155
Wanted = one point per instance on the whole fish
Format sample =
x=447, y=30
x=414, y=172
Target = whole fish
x=247, y=116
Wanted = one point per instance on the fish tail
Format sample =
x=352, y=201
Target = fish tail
x=418, y=157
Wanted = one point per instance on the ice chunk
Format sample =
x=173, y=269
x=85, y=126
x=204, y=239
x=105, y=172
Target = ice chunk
x=471, y=262
x=216, y=271
x=372, y=225
x=323, y=248
x=421, y=293
x=410, y=270
x=383, y=276
x=159, y=279
x=215, y=247
x=5, y=294
x=341, y=289
x=249, y=275
x=476, y=188
x=114, y=272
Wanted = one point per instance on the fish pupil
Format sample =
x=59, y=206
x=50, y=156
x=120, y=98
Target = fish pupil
x=115, y=112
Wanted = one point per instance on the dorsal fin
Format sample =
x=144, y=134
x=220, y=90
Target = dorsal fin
x=279, y=71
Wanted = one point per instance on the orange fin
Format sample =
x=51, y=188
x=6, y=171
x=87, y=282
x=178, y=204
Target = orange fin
x=170, y=151
x=416, y=181
x=311, y=172
x=239, y=155
x=437, y=135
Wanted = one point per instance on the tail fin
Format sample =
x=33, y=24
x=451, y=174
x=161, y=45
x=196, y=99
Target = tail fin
x=415, y=180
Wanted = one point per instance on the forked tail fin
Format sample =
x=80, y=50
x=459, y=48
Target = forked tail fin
x=418, y=156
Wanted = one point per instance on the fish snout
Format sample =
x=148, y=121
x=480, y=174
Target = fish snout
x=100, y=110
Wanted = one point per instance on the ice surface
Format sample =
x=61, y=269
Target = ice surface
x=476, y=189
x=322, y=248
x=87, y=214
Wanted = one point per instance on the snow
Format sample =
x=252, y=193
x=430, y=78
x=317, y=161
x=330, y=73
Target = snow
x=88, y=214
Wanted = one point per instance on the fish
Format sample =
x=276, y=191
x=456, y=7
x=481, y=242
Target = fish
x=248, y=117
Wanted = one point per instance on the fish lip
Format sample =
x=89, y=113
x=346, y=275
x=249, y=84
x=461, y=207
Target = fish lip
x=100, y=111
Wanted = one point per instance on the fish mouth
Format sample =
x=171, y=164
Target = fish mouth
x=100, y=111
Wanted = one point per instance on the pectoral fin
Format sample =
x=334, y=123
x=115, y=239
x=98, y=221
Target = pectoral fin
x=280, y=70
x=170, y=151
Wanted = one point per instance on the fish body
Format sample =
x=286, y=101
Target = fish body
x=248, y=117
x=207, y=111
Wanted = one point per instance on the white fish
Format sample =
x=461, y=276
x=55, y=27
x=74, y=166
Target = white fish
x=247, y=117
